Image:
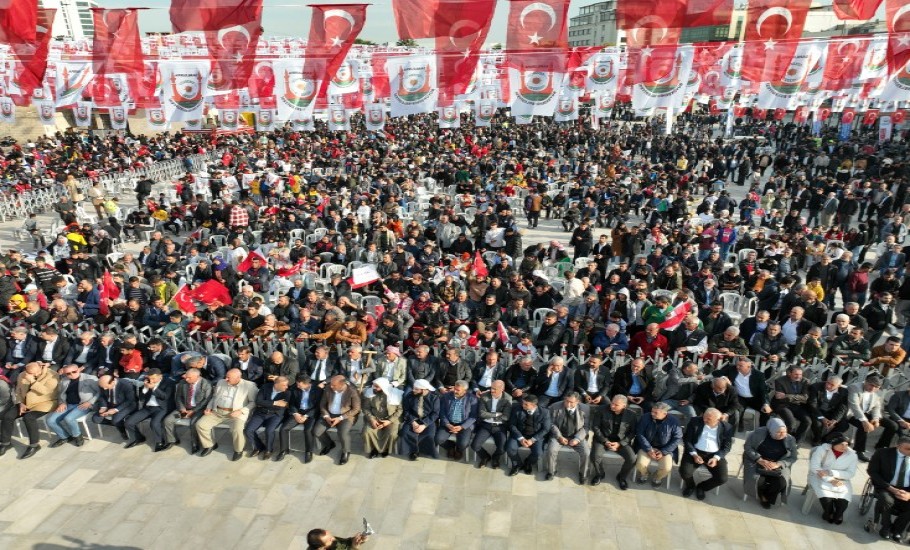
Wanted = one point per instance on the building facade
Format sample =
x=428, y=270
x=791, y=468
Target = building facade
x=595, y=25
x=73, y=19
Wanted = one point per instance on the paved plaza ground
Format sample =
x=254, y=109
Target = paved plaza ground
x=103, y=496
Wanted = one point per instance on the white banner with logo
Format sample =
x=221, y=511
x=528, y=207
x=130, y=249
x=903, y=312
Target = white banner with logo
x=412, y=81
x=374, y=116
x=183, y=86
x=535, y=92
x=295, y=89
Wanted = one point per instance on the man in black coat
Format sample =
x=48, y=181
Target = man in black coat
x=707, y=440
x=156, y=399
x=717, y=394
x=892, y=496
x=549, y=337
x=116, y=402
x=614, y=427
x=302, y=410
x=828, y=407
x=528, y=428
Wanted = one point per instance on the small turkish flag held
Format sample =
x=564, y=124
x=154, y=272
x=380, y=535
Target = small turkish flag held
x=676, y=316
x=183, y=300
x=247, y=262
x=480, y=268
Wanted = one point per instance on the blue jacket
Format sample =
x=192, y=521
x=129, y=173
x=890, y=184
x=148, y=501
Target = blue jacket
x=620, y=342
x=91, y=302
x=542, y=423
x=470, y=410
x=665, y=436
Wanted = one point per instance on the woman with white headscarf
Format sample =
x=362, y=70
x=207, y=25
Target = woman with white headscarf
x=768, y=455
x=382, y=414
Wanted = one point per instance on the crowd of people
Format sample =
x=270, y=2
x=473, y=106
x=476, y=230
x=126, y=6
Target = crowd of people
x=617, y=341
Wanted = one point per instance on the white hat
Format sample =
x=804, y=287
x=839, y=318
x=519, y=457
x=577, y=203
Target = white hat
x=422, y=384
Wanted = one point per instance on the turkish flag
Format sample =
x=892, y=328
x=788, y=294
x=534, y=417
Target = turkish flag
x=32, y=55
x=898, y=116
x=801, y=114
x=641, y=14
x=262, y=80
x=847, y=116
x=480, y=268
x=461, y=30
x=675, y=318
x=183, y=299
x=293, y=270
x=210, y=292
x=708, y=13
x=247, y=262
x=759, y=114
x=844, y=61
x=416, y=18
x=18, y=21
x=380, y=79
x=536, y=34
x=773, y=29
x=333, y=29
x=897, y=15
x=855, y=9
x=823, y=113
x=213, y=15
x=232, y=50
x=116, y=47
x=709, y=55
x=870, y=117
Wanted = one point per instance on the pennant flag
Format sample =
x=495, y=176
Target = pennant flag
x=663, y=89
x=338, y=118
x=116, y=46
x=374, y=116
x=247, y=262
x=7, y=110
x=501, y=332
x=480, y=267
x=416, y=19
x=535, y=91
x=72, y=78
x=448, y=117
x=676, y=316
x=855, y=9
x=708, y=13
x=782, y=93
x=183, y=299
x=212, y=15
x=413, y=83
x=32, y=54
x=897, y=15
x=210, y=292
x=461, y=30
x=18, y=21
x=844, y=61
x=289, y=271
x=773, y=29
x=333, y=29
x=537, y=36
x=82, y=114
x=363, y=275
x=184, y=83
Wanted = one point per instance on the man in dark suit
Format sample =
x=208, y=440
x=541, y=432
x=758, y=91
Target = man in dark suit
x=156, y=400
x=788, y=401
x=568, y=428
x=750, y=386
x=614, y=428
x=52, y=348
x=593, y=382
x=554, y=382
x=707, y=440
x=320, y=367
x=528, y=427
x=634, y=382
x=302, y=410
x=192, y=396
x=457, y=417
x=718, y=394
x=828, y=408
x=493, y=411
x=418, y=422
x=339, y=408
x=116, y=402
x=271, y=404
x=889, y=471
x=423, y=366
x=84, y=352
x=159, y=355
x=250, y=366
x=21, y=350
x=688, y=338
x=895, y=420
x=549, y=337
x=279, y=365
x=487, y=371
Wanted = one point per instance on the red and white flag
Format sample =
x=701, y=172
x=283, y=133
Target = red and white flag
x=363, y=276
x=537, y=36
x=501, y=332
x=897, y=14
x=183, y=299
x=480, y=268
x=461, y=31
x=32, y=54
x=116, y=46
x=333, y=29
x=773, y=30
x=676, y=316
x=855, y=9
x=247, y=262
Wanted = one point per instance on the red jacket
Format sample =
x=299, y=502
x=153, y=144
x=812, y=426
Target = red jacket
x=648, y=349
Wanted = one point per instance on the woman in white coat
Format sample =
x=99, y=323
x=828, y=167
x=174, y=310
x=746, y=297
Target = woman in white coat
x=832, y=466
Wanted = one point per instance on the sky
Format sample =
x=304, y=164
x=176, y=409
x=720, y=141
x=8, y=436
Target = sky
x=284, y=18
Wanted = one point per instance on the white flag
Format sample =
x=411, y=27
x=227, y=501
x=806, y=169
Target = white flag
x=535, y=91
x=72, y=78
x=338, y=118
x=82, y=113
x=295, y=90
x=183, y=89
x=412, y=81
x=7, y=110
x=374, y=116
x=448, y=117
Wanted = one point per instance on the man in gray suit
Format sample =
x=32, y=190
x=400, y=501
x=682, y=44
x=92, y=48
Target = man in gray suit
x=568, y=429
x=493, y=412
x=193, y=395
x=77, y=393
x=865, y=410
x=232, y=401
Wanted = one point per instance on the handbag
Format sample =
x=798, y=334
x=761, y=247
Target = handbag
x=770, y=473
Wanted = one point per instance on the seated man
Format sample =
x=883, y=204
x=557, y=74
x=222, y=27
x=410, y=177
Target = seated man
x=418, y=424
x=271, y=404
x=718, y=394
x=889, y=472
x=657, y=439
x=192, y=395
x=728, y=343
x=851, y=347
x=634, y=382
x=77, y=393
x=592, y=382
x=232, y=401
x=567, y=429
x=751, y=388
x=457, y=416
x=828, y=407
x=339, y=408
x=528, y=427
x=116, y=402
x=788, y=401
x=865, y=411
x=896, y=419
x=156, y=400
x=614, y=428
x=708, y=439
x=382, y=418
x=887, y=356
x=494, y=409
x=553, y=383
x=302, y=409
x=679, y=388
x=771, y=344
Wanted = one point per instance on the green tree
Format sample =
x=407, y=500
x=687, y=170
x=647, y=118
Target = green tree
x=409, y=42
x=364, y=42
